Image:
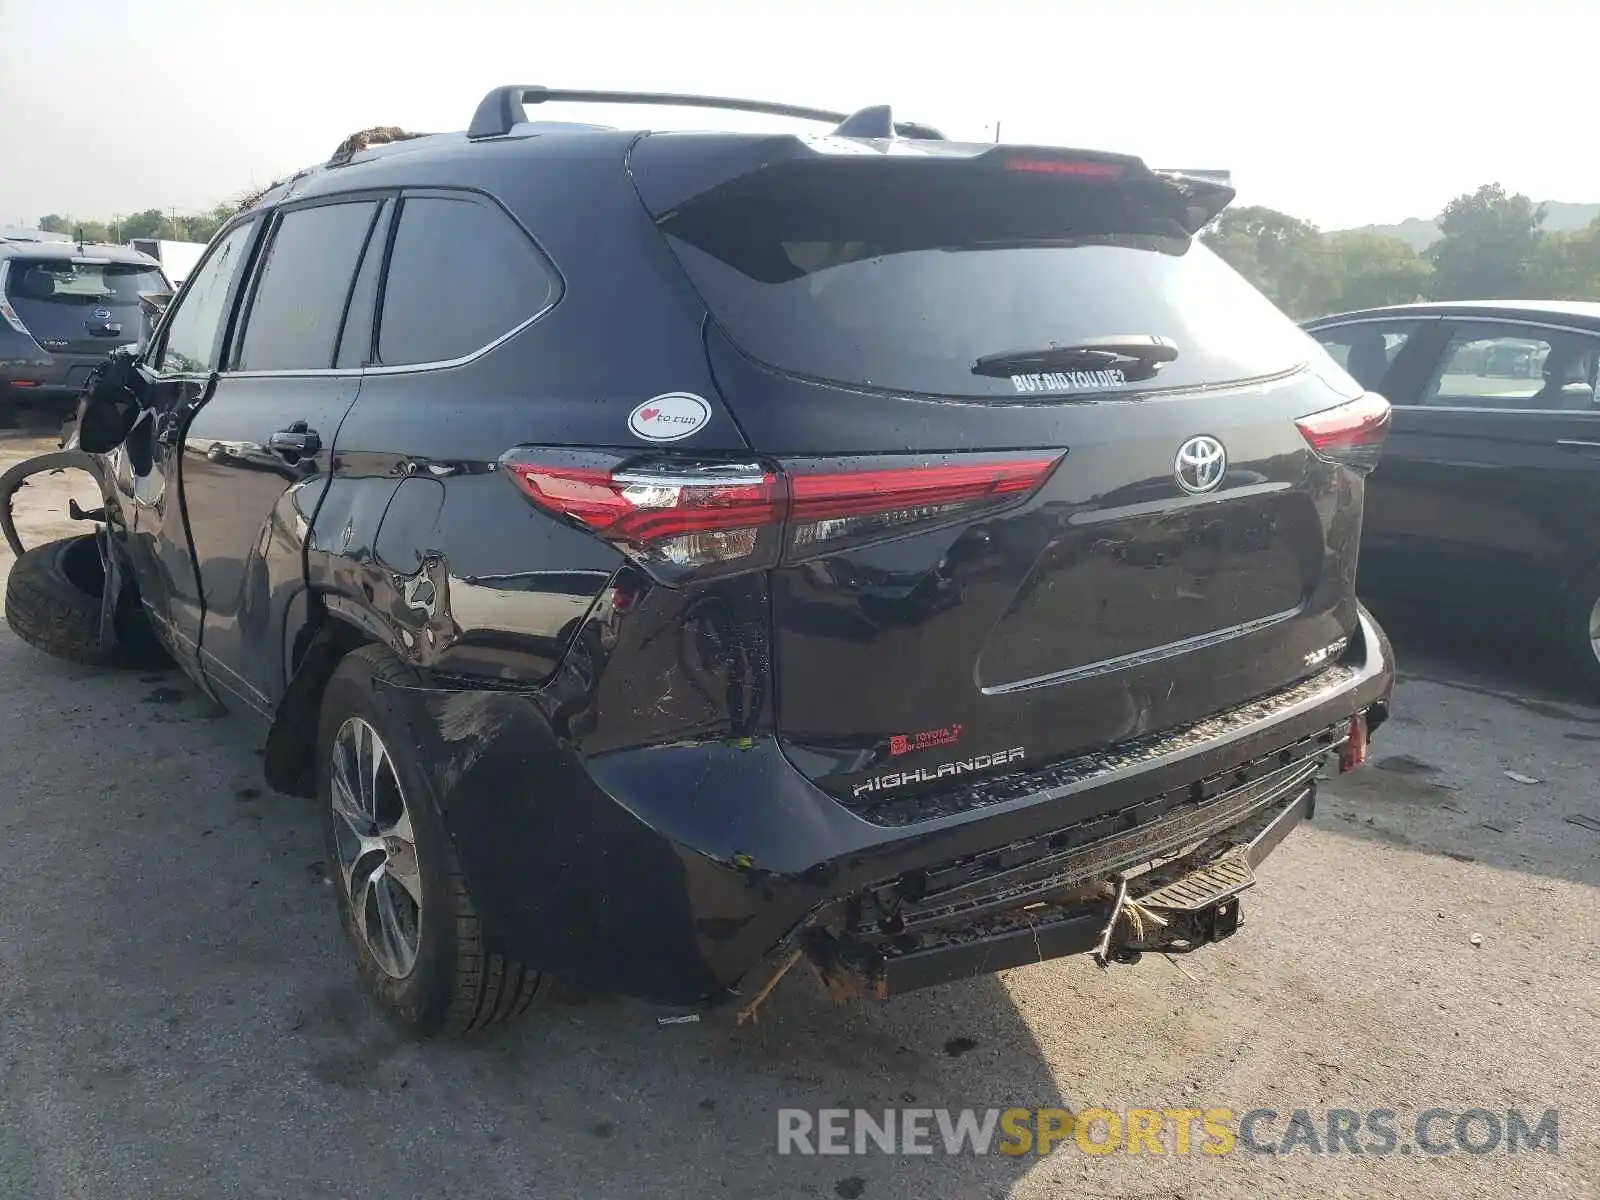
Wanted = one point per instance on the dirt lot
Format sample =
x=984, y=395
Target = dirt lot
x=179, y=1019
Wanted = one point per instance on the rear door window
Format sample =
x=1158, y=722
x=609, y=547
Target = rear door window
x=899, y=275
x=461, y=275
x=303, y=287
x=1515, y=367
x=1366, y=349
x=355, y=340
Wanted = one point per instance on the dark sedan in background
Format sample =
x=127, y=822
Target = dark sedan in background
x=1488, y=496
x=63, y=307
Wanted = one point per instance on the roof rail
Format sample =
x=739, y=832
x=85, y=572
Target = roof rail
x=502, y=109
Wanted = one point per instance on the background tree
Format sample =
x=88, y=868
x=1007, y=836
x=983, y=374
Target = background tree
x=1280, y=254
x=151, y=223
x=1487, y=245
x=1566, y=266
x=55, y=223
x=1369, y=270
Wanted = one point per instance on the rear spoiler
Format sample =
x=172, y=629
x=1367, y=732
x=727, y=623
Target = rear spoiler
x=1205, y=194
x=1225, y=178
x=673, y=177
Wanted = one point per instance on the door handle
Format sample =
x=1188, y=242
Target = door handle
x=1577, y=444
x=297, y=440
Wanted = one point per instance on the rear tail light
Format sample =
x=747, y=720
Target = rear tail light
x=1351, y=434
x=684, y=520
x=829, y=507
x=10, y=314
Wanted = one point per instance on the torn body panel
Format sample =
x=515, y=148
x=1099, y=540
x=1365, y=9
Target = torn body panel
x=672, y=872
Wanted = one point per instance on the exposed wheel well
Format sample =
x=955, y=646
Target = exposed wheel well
x=288, y=760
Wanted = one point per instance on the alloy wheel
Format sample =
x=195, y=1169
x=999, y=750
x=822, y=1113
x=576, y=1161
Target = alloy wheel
x=377, y=848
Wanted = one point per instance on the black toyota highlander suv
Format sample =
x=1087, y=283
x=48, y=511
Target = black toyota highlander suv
x=668, y=557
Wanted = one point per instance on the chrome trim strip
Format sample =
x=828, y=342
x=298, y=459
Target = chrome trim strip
x=1473, y=408
x=1587, y=331
x=1140, y=658
x=733, y=475
x=1317, y=326
x=1177, y=503
x=404, y=368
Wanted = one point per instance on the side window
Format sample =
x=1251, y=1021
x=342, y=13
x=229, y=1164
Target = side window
x=461, y=274
x=1366, y=349
x=192, y=339
x=302, y=286
x=355, y=340
x=1514, y=366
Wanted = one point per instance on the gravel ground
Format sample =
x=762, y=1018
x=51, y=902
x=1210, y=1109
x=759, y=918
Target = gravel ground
x=178, y=1019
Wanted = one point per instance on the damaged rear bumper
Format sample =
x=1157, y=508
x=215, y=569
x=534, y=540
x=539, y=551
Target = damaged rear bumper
x=1186, y=899
x=680, y=874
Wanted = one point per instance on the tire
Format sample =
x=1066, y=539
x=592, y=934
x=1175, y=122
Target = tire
x=1580, y=629
x=53, y=601
x=53, y=598
x=454, y=983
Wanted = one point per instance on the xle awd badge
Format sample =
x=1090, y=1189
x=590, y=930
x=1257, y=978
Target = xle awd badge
x=669, y=417
x=1200, y=465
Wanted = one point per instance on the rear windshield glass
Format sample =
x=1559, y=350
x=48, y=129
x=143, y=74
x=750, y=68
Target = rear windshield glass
x=86, y=285
x=901, y=275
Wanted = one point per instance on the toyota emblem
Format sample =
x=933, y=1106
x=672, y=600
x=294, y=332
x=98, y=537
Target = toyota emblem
x=1200, y=465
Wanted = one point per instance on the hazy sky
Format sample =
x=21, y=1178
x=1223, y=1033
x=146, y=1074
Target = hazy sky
x=1343, y=113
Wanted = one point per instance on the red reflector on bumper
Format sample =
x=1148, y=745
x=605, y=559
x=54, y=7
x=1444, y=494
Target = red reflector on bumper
x=1354, y=752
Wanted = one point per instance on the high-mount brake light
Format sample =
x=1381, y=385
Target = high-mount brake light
x=689, y=519
x=1083, y=169
x=1351, y=434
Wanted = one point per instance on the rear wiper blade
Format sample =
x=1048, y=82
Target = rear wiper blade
x=1124, y=350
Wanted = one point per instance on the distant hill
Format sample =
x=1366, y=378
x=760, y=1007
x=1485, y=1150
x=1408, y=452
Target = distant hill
x=1419, y=234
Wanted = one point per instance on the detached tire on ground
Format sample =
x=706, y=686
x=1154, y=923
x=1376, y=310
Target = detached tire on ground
x=419, y=943
x=53, y=601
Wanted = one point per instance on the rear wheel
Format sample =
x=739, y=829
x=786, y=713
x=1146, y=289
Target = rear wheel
x=1581, y=629
x=418, y=941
